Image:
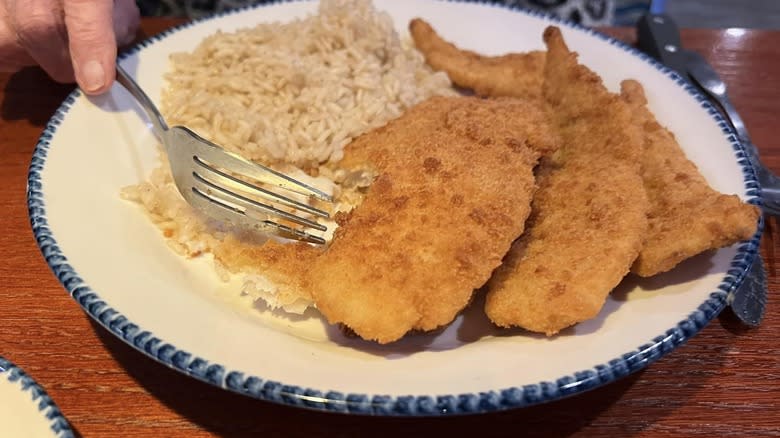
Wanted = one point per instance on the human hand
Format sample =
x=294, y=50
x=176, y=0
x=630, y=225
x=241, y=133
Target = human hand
x=70, y=39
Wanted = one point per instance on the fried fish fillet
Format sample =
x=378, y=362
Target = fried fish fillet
x=515, y=74
x=453, y=187
x=686, y=216
x=588, y=216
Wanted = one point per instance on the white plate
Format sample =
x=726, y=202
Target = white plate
x=115, y=263
x=25, y=408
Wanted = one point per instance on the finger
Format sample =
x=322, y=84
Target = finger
x=41, y=32
x=92, y=42
x=12, y=54
x=127, y=18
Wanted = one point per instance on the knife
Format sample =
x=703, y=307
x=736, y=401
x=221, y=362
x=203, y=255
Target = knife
x=658, y=36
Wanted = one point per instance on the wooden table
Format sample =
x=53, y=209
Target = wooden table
x=724, y=382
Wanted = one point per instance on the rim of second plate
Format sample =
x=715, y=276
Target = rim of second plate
x=49, y=410
x=371, y=404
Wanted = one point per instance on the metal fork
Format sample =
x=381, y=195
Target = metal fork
x=224, y=185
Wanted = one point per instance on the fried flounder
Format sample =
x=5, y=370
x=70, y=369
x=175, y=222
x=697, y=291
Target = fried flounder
x=686, y=216
x=515, y=74
x=589, y=213
x=453, y=187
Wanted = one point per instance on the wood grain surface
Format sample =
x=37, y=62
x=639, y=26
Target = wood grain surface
x=724, y=382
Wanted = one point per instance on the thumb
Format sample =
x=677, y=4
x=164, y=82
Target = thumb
x=92, y=42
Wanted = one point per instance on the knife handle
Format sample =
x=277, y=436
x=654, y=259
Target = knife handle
x=658, y=36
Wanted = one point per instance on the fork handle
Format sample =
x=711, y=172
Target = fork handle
x=130, y=85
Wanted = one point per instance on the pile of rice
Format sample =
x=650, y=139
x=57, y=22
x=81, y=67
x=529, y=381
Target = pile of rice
x=289, y=95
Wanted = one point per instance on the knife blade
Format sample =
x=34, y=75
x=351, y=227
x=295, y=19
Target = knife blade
x=659, y=37
x=748, y=302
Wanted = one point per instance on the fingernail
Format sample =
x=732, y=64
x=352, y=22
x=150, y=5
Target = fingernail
x=93, y=76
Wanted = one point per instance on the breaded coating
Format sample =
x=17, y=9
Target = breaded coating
x=283, y=264
x=453, y=188
x=589, y=213
x=687, y=216
x=515, y=74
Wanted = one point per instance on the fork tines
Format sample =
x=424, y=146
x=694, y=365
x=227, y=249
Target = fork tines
x=224, y=185
x=250, y=204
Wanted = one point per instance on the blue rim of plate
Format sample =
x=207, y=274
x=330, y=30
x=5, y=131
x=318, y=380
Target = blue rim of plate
x=386, y=405
x=49, y=410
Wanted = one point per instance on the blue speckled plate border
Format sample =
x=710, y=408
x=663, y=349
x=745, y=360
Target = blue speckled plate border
x=49, y=410
x=426, y=405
